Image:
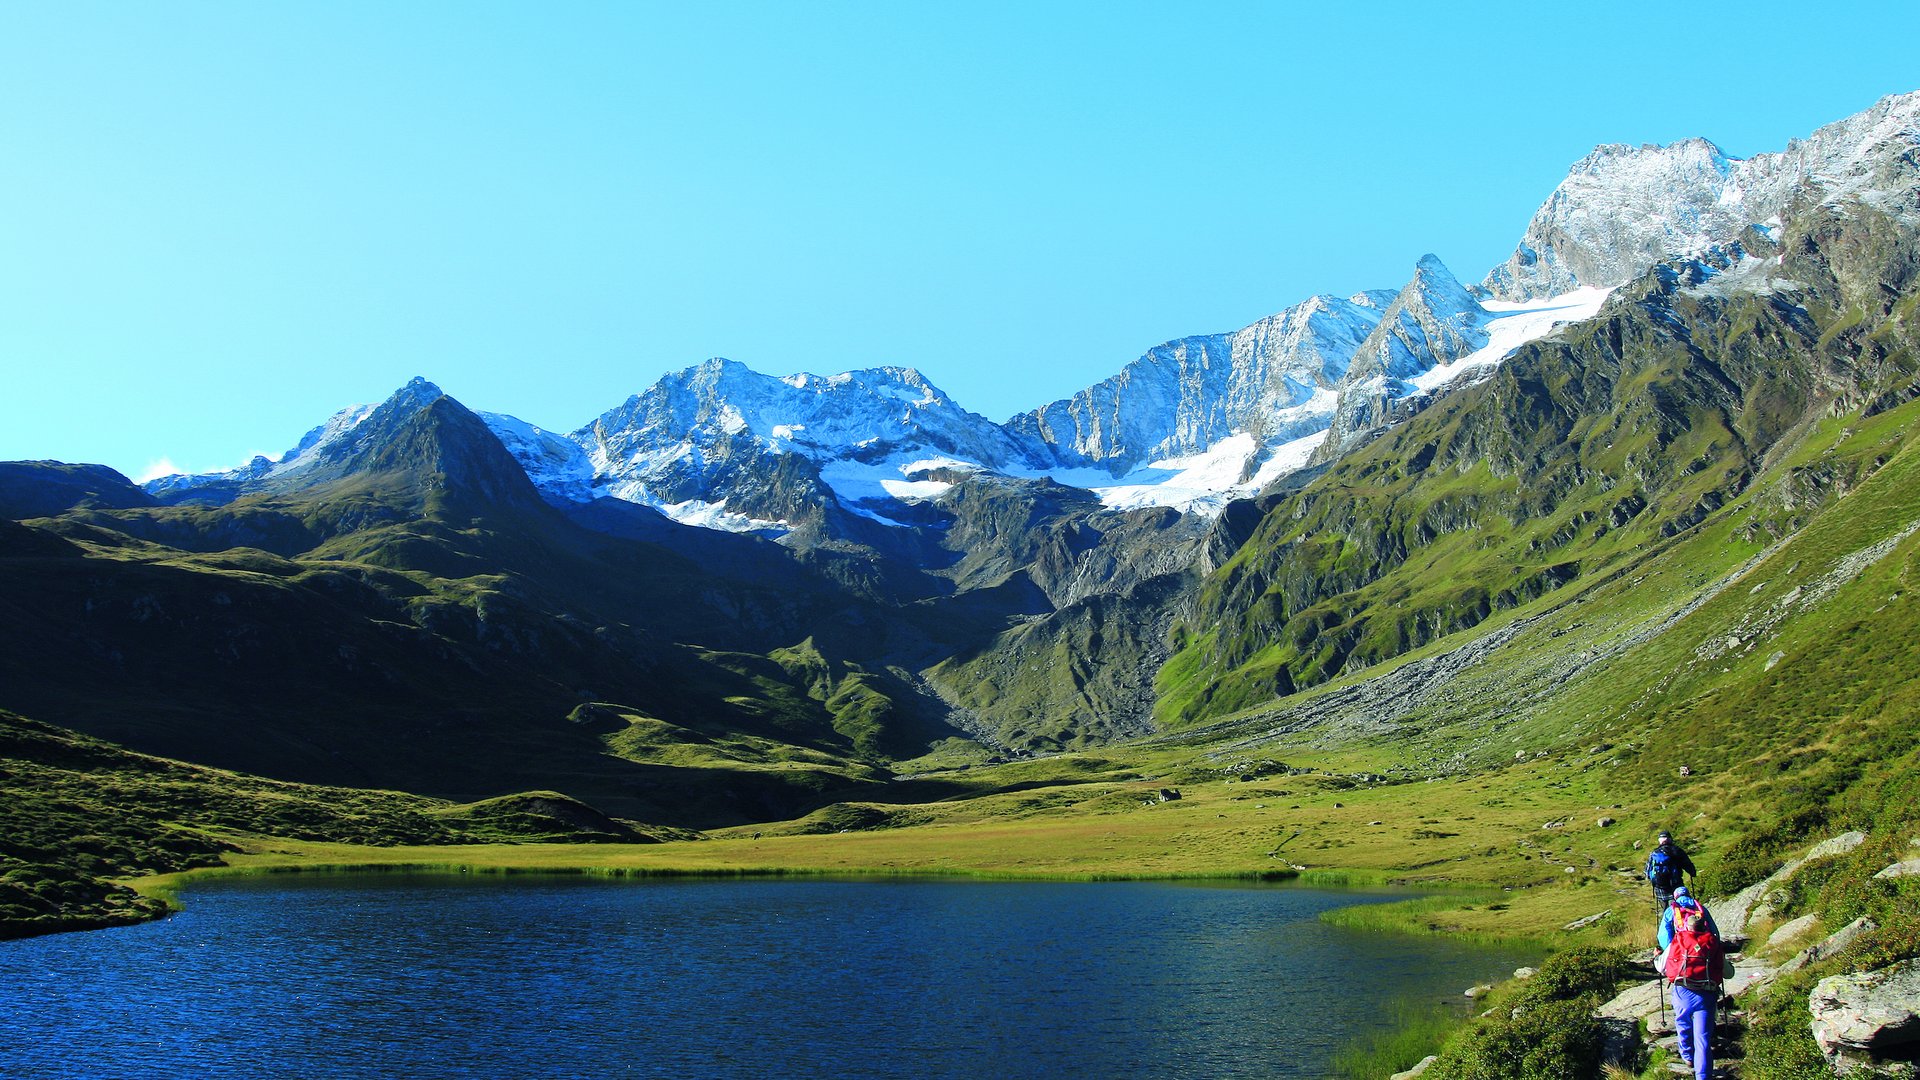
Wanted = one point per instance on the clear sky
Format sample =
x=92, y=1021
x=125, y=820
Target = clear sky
x=219, y=223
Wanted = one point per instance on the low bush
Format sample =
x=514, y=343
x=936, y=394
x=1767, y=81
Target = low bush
x=1546, y=1029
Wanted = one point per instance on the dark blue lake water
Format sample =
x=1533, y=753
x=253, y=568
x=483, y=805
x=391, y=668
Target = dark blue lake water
x=425, y=976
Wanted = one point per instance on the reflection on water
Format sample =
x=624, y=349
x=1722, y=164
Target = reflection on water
x=441, y=976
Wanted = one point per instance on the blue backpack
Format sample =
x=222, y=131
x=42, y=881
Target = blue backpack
x=1662, y=871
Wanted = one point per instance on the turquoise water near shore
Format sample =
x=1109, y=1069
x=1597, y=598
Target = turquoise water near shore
x=386, y=975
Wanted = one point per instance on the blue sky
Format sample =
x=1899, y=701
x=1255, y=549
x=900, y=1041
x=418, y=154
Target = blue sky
x=219, y=223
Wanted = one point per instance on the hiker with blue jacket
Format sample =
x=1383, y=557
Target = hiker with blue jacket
x=1683, y=907
x=1665, y=865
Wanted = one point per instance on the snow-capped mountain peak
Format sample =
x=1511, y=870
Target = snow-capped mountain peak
x=1196, y=420
x=1622, y=209
x=323, y=442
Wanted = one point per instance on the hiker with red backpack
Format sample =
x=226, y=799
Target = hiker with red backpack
x=1665, y=865
x=1683, y=905
x=1695, y=966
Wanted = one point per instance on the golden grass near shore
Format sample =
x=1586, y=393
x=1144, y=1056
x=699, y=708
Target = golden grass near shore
x=1504, y=876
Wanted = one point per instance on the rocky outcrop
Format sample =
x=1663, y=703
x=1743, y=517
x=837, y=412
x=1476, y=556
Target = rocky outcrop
x=1754, y=902
x=1622, y=209
x=1906, y=868
x=1831, y=947
x=1867, y=1023
x=1788, y=931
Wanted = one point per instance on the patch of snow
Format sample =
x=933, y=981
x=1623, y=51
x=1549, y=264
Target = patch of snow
x=927, y=395
x=1511, y=325
x=1234, y=467
x=1749, y=275
x=716, y=516
x=705, y=515
x=856, y=483
x=556, y=465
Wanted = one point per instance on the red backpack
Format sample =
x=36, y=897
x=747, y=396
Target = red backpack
x=1694, y=956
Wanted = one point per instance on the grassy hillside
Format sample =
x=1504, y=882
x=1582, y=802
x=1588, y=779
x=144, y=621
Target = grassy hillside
x=77, y=812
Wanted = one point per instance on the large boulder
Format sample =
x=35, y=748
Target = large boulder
x=1636, y=1003
x=1868, y=1021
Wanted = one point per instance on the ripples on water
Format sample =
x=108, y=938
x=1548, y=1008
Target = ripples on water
x=420, y=976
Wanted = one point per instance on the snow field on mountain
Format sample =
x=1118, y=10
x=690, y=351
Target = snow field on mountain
x=1511, y=324
x=1197, y=483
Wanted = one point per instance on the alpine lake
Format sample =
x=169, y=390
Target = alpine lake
x=448, y=975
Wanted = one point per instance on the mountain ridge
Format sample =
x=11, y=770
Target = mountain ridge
x=1254, y=404
x=940, y=533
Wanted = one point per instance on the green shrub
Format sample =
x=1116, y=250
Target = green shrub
x=1554, y=1040
x=1546, y=1030
x=1571, y=973
x=1779, y=1040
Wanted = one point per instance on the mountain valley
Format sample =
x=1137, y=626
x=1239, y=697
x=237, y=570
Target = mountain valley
x=1410, y=587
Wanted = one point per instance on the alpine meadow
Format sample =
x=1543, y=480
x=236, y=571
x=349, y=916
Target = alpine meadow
x=1467, y=589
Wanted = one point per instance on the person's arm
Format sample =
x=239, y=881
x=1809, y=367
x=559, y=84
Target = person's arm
x=1686, y=863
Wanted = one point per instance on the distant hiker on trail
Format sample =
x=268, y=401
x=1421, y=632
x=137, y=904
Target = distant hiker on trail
x=1683, y=905
x=1664, y=866
x=1694, y=967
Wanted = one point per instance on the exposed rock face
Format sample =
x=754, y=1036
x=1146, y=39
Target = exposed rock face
x=1419, y=1069
x=1733, y=915
x=1864, y=1020
x=1831, y=947
x=1622, y=209
x=1273, y=378
x=1907, y=868
x=1788, y=931
x=1432, y=321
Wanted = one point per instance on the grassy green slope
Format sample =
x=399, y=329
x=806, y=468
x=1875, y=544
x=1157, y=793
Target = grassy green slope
x=77, y=812
x=420, y=620
x=1579, y=454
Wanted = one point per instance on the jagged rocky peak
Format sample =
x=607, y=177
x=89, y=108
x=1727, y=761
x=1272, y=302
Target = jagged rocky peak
x=722, y=445
x=1433, y=320
x=1272, y=379
x=1623, y=209
x=816, y=416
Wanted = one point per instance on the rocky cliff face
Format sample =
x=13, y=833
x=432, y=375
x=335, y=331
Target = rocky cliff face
x=1621, y=209
x=1433, y=321
x=1272, y=378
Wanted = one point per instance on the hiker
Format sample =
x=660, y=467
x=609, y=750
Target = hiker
x=1694, y=966
x=1665, y=865
x=1683, y=905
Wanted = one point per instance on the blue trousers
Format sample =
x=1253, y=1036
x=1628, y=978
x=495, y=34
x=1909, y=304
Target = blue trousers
x=1693, y=1019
